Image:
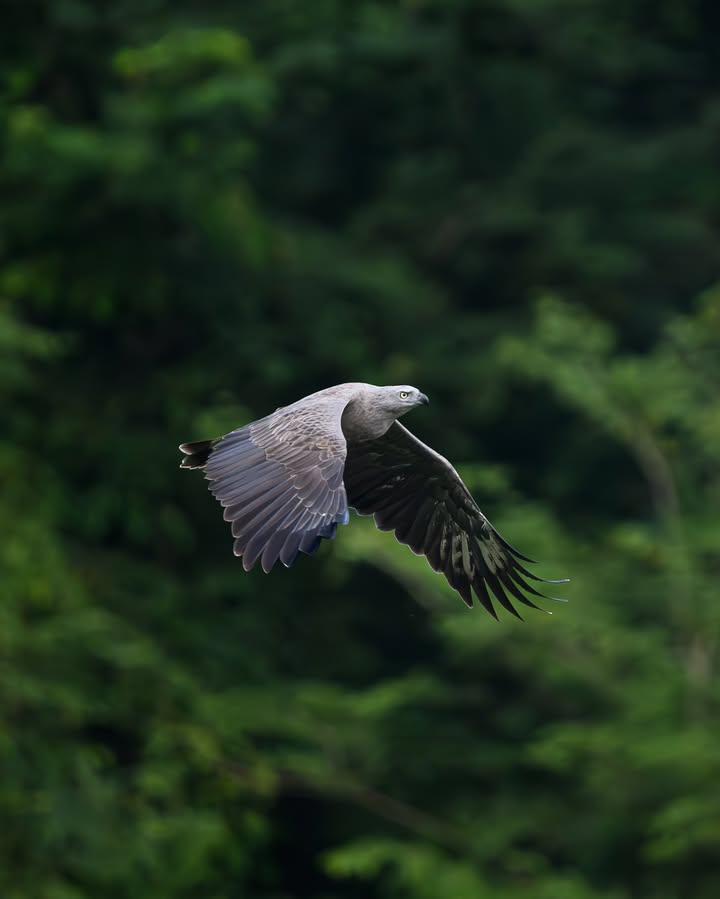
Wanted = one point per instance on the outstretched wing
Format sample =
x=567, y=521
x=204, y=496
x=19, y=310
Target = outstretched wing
x=280, y=481
x=413, y=490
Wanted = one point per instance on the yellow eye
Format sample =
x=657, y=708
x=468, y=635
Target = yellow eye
x=404, y=394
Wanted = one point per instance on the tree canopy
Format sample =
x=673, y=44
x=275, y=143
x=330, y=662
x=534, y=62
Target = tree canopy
x=210, y=210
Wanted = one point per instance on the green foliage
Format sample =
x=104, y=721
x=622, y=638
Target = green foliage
x=211, y=210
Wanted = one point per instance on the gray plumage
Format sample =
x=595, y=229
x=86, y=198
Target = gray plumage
x=287, y=480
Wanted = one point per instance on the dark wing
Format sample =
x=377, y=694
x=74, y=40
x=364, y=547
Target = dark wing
x=280, y=481
x=411, y=489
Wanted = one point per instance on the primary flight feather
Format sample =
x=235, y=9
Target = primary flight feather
x=287, y=480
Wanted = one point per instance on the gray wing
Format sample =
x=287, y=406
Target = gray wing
x=280, y=481
x=411, y=489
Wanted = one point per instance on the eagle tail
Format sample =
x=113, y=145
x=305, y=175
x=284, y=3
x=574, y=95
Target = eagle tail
x=196, y=454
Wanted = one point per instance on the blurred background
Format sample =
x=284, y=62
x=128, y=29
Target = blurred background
x=208, y=210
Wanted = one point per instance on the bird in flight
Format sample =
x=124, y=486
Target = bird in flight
x=287, y=480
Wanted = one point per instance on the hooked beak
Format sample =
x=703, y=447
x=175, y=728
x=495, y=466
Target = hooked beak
x=423, y=400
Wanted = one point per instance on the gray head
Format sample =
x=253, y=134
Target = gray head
x=400, y=399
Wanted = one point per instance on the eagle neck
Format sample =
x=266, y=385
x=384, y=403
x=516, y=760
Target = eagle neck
x=363, y=420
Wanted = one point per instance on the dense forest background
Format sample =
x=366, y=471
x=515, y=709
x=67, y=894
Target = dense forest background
x=211, y=209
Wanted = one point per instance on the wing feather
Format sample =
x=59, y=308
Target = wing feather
x=280, y=481
x=411, y=489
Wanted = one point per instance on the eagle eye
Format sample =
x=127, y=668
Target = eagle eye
x=404, y=394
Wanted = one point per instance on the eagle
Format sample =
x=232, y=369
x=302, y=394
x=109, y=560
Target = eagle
x=286, y=481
